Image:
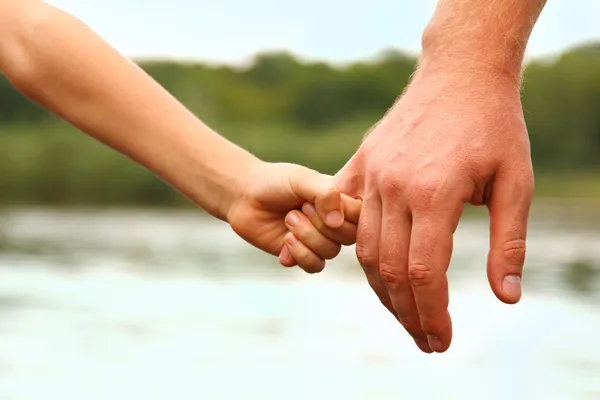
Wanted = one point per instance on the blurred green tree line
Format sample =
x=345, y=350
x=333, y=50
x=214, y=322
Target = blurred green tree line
x=283, y=109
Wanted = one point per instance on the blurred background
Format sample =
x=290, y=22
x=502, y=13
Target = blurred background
x=113, y=286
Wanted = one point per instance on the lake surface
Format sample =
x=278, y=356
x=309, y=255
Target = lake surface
x=163, y=305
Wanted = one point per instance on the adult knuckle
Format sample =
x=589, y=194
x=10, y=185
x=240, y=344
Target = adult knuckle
x=392, y=276
x=389, y=185
x=514, y=252
x=367, y=258
x=423, y=193
x=420, y=274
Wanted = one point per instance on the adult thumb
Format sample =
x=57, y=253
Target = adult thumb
x=350, y=179
x=509, y=207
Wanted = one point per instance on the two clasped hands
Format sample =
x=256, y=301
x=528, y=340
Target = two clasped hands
x=457, y=135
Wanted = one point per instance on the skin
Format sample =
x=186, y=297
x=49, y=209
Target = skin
x=457, y=135
x=53, y=59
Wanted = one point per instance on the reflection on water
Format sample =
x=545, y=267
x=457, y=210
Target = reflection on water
x=161, y=305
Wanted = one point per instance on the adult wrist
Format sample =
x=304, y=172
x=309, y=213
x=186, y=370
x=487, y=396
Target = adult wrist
x=475, y=59
x=479, y=46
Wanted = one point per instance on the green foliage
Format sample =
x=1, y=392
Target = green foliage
x=283, y=109
x=562, y=109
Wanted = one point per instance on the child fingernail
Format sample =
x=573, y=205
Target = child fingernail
x=292, y=219
x=334, y=218
x=291, y=240
x=309, y=209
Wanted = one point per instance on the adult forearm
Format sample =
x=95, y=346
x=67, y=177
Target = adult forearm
x=481, y=34
x=58, y=62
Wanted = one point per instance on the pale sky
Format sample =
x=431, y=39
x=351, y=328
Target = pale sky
x=332, y=30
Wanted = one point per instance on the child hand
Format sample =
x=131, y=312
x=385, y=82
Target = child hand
x=271, y=191
x=310, y=241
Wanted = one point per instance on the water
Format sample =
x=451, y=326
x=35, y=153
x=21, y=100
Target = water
x=161, y=305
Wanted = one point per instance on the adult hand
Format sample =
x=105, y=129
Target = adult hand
x=455, y=137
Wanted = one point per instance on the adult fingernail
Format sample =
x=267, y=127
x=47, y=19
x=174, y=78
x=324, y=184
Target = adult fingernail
x=435, y=344
x=292, y=219
x=511, y=286
x=334, y=218
x=291, y=240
